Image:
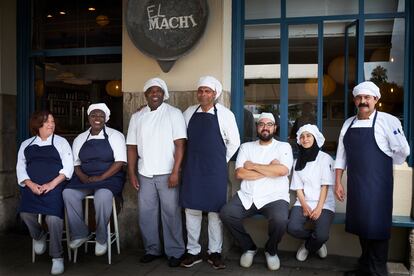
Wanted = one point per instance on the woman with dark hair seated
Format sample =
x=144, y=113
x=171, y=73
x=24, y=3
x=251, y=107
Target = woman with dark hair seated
x=44, y=163
x=99, y=155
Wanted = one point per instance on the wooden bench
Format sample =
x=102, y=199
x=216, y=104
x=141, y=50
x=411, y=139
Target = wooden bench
x=397, y=221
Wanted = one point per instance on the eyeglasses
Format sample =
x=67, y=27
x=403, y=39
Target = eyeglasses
x=269, y=124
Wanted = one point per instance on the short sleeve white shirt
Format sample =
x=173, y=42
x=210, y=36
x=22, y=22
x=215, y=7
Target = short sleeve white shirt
x=61, y=145
x=310, y=179
x=154, y=132
x=227, y=124
x=115, y=138
x=268, y=189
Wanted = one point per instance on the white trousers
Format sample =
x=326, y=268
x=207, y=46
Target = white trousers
x=215, y=231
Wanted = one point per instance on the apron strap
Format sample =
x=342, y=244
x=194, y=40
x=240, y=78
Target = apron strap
x=105, y=135
x=32, y=141
x=373, y=123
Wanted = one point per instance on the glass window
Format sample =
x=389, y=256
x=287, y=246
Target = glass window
x=75, y=24
x=383, y=6
x=384, y=62
x=262, y=75
x=259, y=9
x=303, y=76
x=297, y=8
x=67, y=85
x=334, y=59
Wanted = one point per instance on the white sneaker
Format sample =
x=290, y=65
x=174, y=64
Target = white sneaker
x=273, y=262
x=323, y=251
x=78, y=242
x=39, y=246
x=57, y=266
x=302, y=253
x=246, y=259
x=100, y=248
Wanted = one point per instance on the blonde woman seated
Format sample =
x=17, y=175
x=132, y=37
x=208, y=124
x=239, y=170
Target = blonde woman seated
x=312, y=179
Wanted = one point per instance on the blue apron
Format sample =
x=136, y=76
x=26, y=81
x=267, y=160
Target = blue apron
x=370, y=185
x=96, y=157
x=204, y=179
x=42, y=165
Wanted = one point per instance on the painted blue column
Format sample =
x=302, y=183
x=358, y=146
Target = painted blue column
x=284, y=73
x=360, y=43
x=320, y=75
x=237, y=63
x=25, y=103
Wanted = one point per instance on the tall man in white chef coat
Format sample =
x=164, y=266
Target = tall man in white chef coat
x=213, y=138
x=263, y=166
x=369, y=144
x=156, y=141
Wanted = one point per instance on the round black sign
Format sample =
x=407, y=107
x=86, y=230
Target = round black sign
x=166, y=29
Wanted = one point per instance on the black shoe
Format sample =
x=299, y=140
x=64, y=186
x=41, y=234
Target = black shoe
x=147, y=258
x=216, y=261
x=174, y=262
x=189, y=260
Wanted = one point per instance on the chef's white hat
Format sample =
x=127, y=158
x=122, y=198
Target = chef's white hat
x=159, y=83
x=312, y=129
x=100, y=106
x=367, y=88
x=266, y=115
x=212, y=83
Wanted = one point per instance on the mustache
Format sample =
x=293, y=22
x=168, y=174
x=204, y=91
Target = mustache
x=363, y=105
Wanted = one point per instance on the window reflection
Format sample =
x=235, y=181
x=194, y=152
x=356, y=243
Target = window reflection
x=384, y=62
x=262, y=75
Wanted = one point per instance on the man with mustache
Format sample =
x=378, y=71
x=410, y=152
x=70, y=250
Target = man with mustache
x=369, y=144
x=156, y=141
x=213, y=138
x=263, y=166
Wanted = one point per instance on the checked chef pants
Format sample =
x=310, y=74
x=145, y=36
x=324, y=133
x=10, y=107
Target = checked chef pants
x=154, y=195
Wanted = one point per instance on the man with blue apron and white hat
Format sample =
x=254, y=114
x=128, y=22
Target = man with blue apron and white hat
x=213, y=138
x=369, y=144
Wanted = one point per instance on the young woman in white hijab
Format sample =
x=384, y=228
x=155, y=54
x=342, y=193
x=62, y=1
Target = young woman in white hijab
x=312, y=179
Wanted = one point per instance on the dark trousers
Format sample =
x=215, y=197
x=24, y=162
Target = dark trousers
x=276, y=212
x=315, y=233
x=373, y=260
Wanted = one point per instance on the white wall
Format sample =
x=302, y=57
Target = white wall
x=211, y=56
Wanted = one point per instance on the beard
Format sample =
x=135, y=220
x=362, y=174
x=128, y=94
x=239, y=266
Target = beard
x=265, y=136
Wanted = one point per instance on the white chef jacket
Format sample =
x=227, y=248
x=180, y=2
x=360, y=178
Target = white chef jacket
x=267, y=189
x=61, y=145
x=154, y=132
x=116, y=141
x=388, y=133
x=227, y=123
x=310, y=179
